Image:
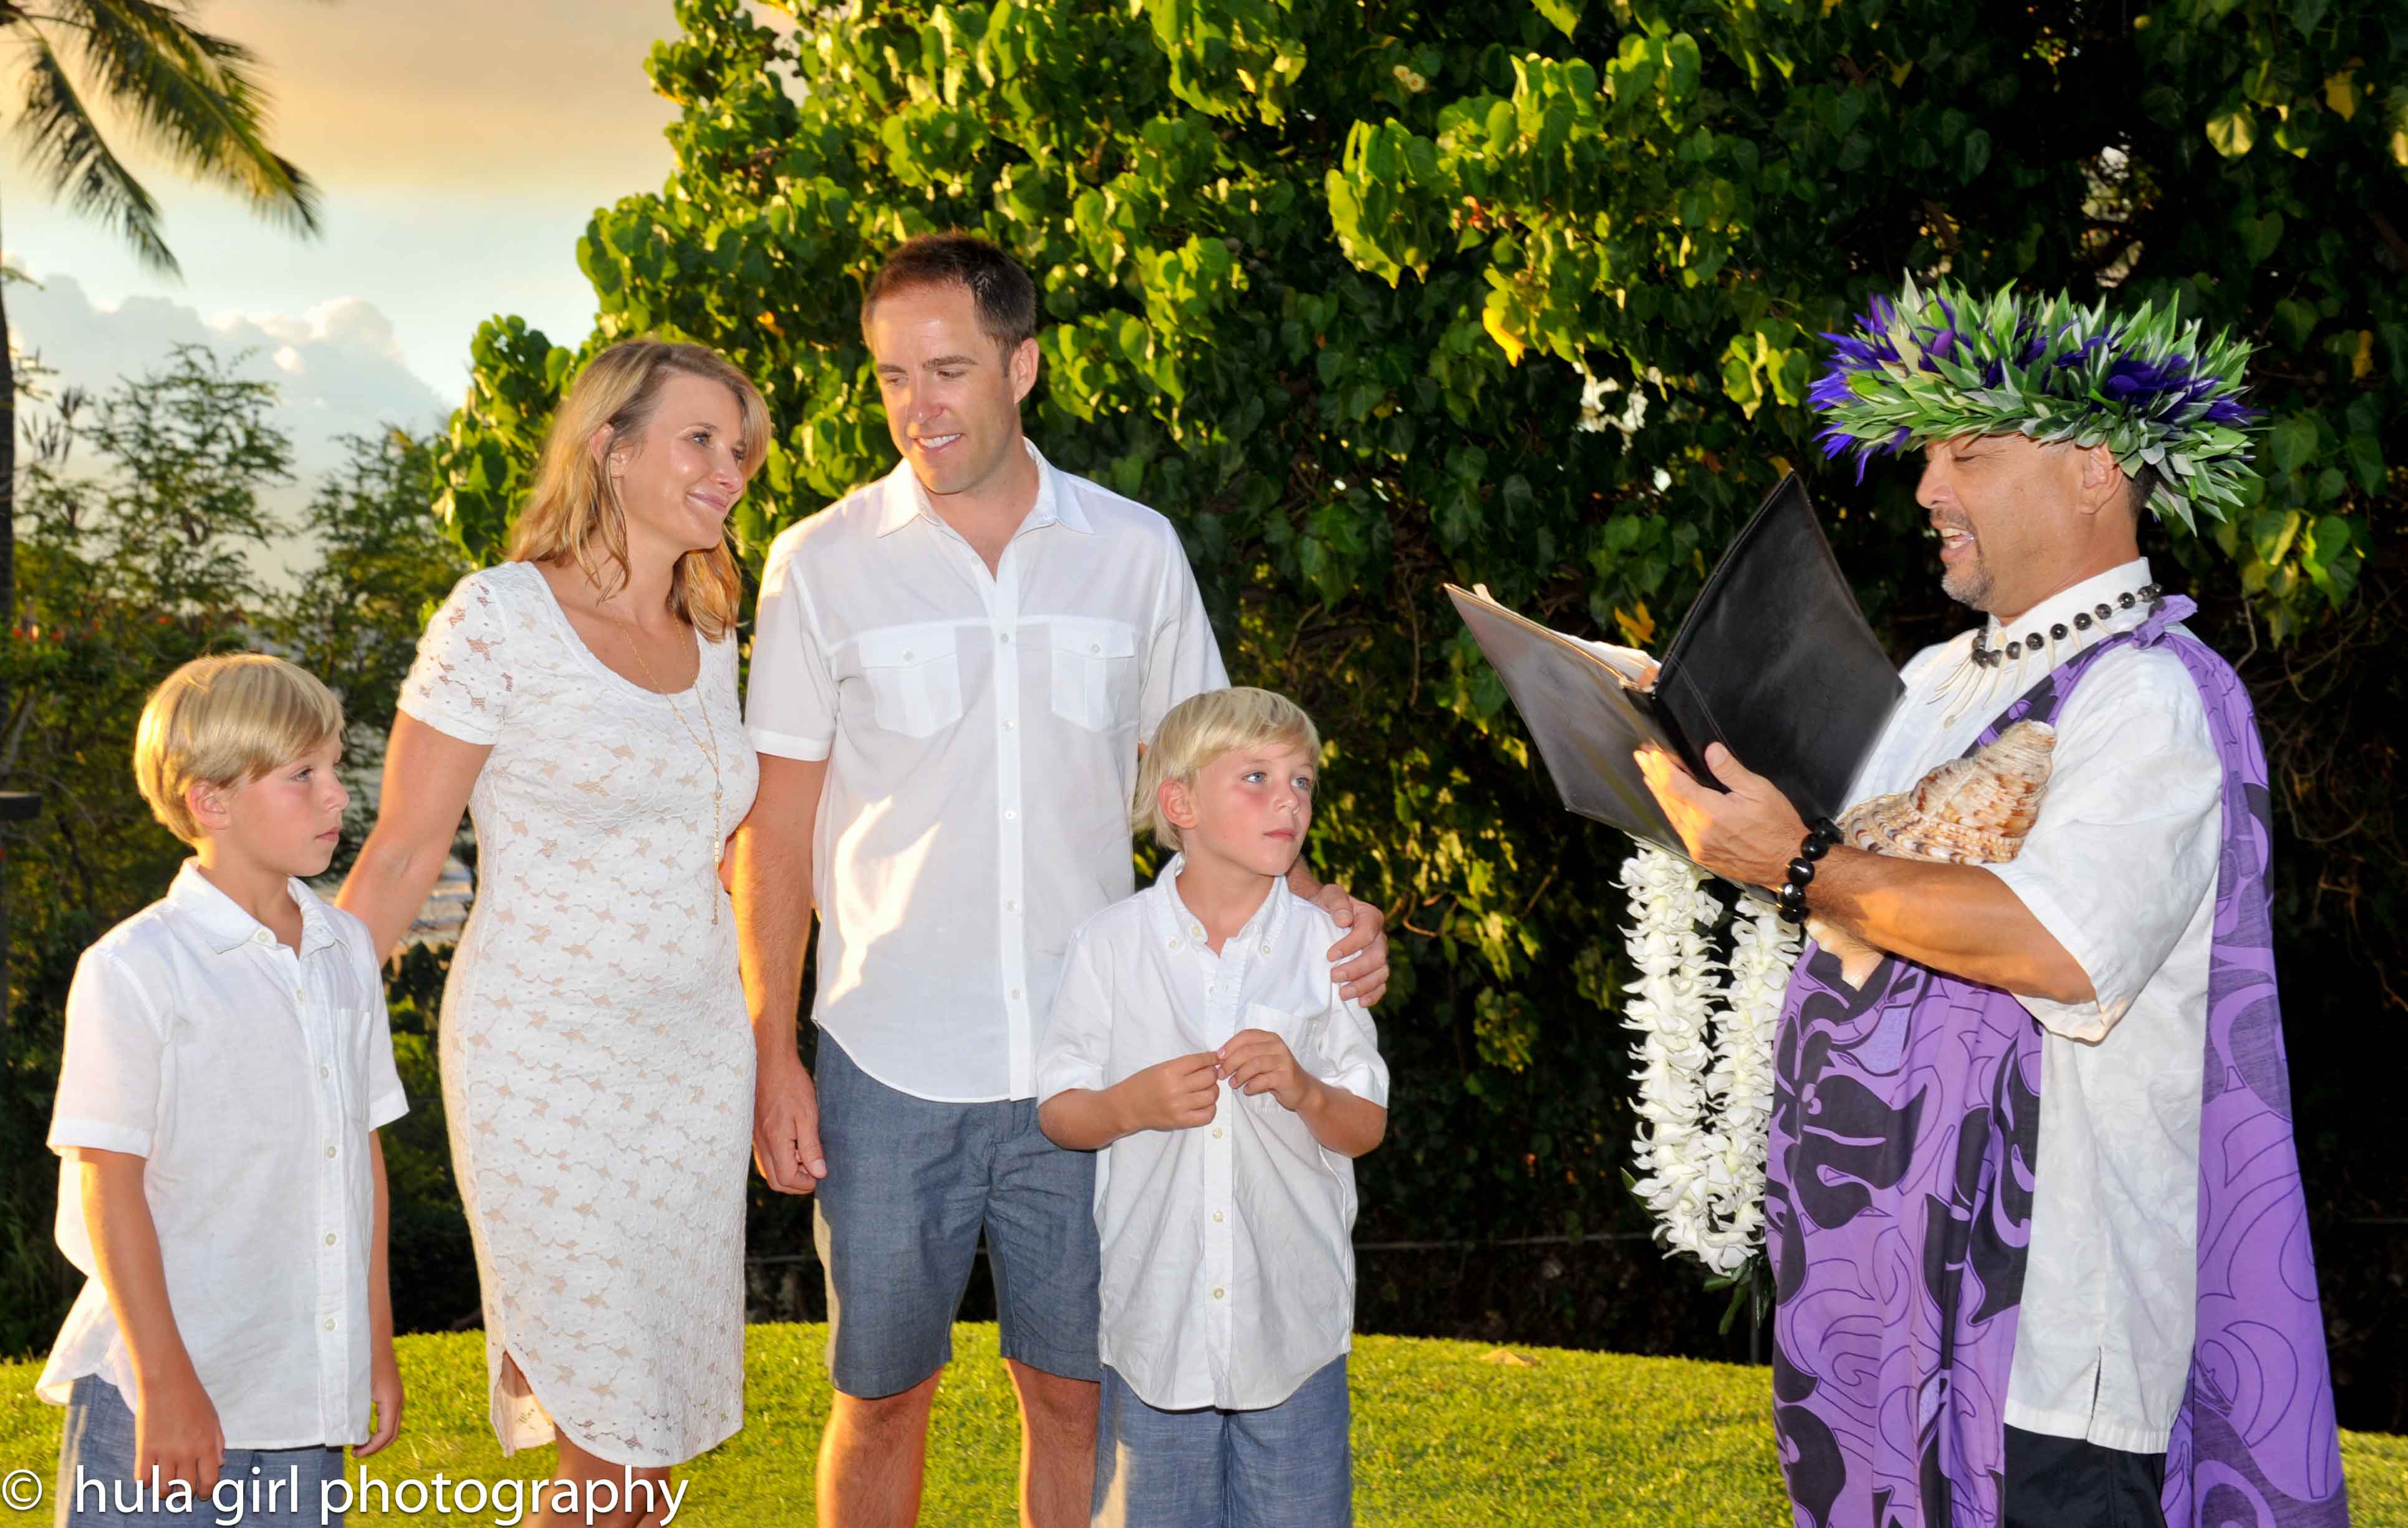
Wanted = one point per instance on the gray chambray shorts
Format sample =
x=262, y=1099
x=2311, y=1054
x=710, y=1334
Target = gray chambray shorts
x=910, y=1185
x=97, y=1486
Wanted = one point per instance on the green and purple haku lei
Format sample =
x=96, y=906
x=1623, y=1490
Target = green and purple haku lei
x=1942, y=364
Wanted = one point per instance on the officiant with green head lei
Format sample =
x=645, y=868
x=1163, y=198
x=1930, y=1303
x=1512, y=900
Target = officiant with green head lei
x=2039, y=1251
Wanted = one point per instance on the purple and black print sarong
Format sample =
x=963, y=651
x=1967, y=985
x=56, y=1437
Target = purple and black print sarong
x=1905, y=1134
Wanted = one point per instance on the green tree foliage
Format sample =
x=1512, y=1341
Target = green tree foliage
x=1368, y=297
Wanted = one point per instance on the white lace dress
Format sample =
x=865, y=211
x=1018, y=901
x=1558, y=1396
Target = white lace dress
x=597, y=1065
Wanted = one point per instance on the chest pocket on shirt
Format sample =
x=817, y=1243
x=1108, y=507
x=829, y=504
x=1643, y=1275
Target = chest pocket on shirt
x=914, y=675
x=1302, y=1032
x=1094, y=663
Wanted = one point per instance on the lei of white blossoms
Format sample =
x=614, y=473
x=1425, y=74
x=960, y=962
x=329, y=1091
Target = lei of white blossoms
x=1705, y=1059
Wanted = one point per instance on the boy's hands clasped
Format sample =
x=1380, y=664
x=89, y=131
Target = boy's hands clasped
x=1259, y=1062
x=1184, y=1091
x=1177, y=1094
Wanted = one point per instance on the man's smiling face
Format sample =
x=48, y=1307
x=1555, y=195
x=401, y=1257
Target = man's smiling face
x=952, y=392
x=1997, y=503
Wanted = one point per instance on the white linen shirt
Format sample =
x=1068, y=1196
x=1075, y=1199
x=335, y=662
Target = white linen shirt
x=249, y=1078
x=982, y=735
x=2120, y=867
x=1227, y=1252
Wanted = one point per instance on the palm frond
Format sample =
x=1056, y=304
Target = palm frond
x=196, y=97
x=64, y=146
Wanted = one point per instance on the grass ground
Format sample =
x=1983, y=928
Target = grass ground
x=1444, y=1436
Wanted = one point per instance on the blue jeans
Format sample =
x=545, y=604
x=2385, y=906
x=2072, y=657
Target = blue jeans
x=274, y=1486
x=1284, y=1467
x=911, y=1182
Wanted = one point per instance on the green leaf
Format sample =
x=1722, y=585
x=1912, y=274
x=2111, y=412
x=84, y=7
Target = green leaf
x=1974, y=155
x=2293, y=442
x=1564, y=15
x=2306, y=14
x=2364, y=454
x=2294, y=322
x=2234, y=133
x=2260, y=236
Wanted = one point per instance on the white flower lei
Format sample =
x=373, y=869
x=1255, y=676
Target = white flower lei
x=1705, y=1101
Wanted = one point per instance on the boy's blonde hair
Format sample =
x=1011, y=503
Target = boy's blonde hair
x=1200, y=729
x=226, y=721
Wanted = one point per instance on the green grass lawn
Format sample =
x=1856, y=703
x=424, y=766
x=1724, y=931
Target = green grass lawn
x=1442, y=1436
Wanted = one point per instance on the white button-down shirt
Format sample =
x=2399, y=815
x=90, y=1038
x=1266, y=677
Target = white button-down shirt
x=981, y=732
x=2120, y=867
x=1227, y=1252
x=248, y=1077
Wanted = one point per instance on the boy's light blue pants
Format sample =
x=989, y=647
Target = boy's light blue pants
x=96, y=1476
x=1284, y=1467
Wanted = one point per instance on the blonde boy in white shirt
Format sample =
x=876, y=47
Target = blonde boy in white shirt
x=1199, y=1043
x=227, y=1065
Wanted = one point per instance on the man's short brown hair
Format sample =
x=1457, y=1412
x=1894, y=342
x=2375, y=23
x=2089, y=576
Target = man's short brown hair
x=1006, y=297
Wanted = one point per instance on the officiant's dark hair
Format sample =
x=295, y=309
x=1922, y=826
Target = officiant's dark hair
x=2137, y=489
x=1006, y=297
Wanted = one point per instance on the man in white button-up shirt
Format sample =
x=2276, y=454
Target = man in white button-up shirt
x=227, y=1065
x=1992, y=1306
x=953, y=672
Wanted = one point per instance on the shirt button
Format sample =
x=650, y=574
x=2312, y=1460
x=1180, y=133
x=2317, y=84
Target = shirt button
x=1009, y=724
x=1009, y=813
x=1094, y=647
x=1015, y=994
x=1216, y=1135
x=330, y=1323
x=330, y=1152
x=1174, y=944
x=330, y=1238
x=1011, y=907
x=325, y=1072
x=1266, y=949
x=907, y=656
x=1219, y=1293
x=1216, y=1218
x=1004, y=637
x=263, y=937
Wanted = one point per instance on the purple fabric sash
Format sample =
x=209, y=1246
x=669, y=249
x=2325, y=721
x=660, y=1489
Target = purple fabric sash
x=1905, y=1132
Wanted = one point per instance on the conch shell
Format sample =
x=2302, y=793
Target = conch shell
x=1969, y=811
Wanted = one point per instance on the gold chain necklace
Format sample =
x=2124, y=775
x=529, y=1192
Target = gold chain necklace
x=710, y=750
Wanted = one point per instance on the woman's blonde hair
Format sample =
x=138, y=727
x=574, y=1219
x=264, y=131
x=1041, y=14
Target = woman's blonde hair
x=226, y=721
x=1200, y=729
x=574, y=510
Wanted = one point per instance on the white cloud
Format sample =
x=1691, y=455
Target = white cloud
x=336, y=370
x=337, y=367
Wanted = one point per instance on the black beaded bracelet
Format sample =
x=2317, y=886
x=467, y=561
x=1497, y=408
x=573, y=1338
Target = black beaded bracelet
x=1791, y=902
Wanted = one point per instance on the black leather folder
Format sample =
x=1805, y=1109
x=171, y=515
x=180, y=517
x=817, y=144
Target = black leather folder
x=1775, y=662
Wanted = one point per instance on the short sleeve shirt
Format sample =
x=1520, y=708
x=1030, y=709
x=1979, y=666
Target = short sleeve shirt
x=248, y=1077
x=982, y=735
x=1228, y=1263
x=2120, y=867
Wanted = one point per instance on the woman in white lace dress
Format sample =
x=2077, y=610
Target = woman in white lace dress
x=581, y=702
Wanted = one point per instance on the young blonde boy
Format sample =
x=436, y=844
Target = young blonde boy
x=226, y=1068
x=1199, y=1044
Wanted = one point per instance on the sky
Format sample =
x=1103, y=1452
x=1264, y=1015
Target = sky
x=459, y=147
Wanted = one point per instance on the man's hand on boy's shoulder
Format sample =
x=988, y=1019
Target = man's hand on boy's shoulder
x=1362, y=955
